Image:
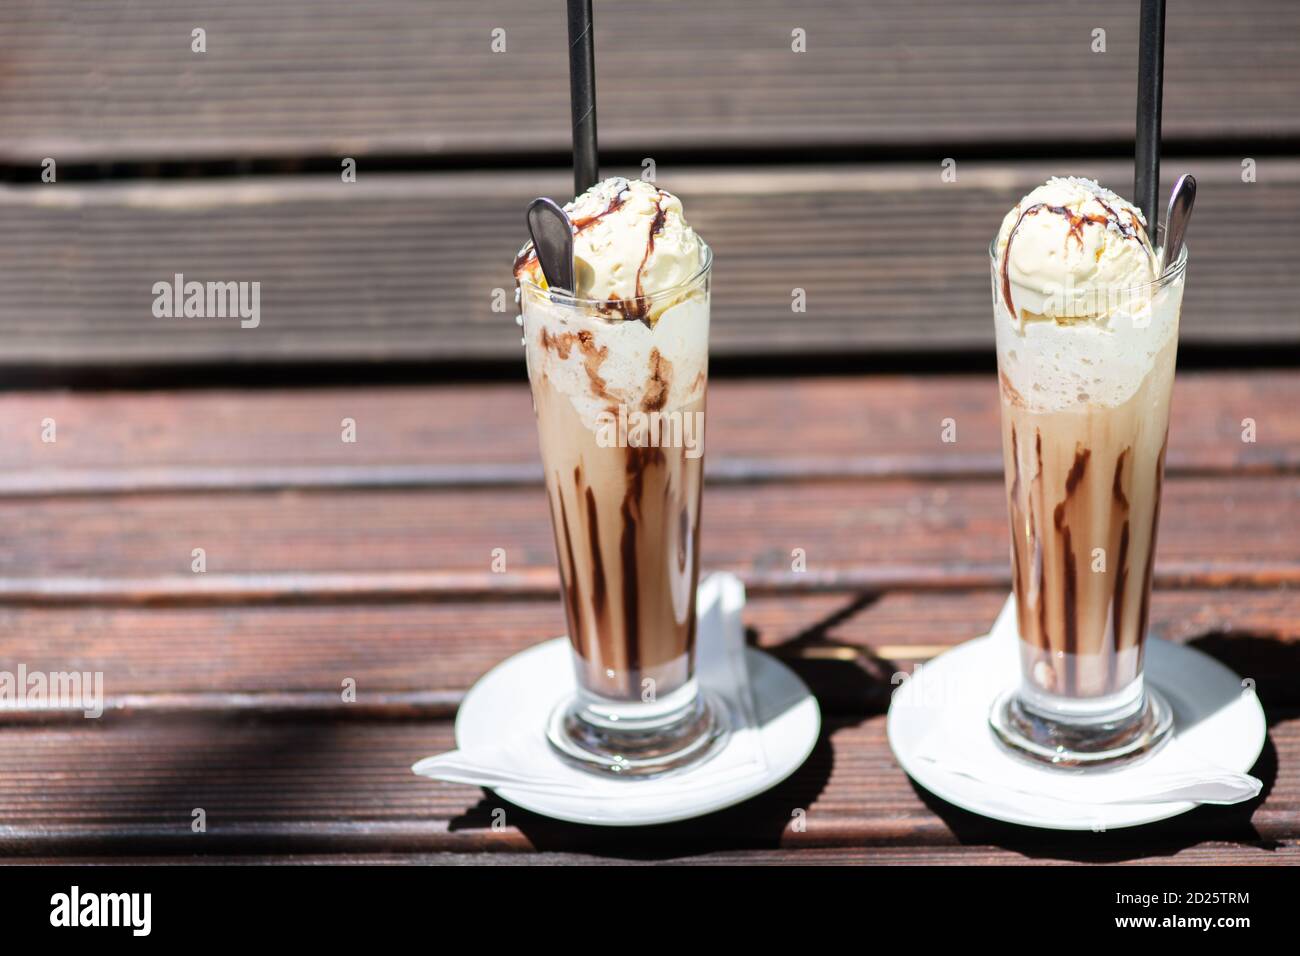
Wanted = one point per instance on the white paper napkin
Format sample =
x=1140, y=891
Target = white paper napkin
x=524, y=761
x=966, y=747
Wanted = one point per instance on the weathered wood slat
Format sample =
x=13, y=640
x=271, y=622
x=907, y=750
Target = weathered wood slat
x=897, y=532
x=306, y=786
x=411, y=268
x=1210, y=853
x=471, y=435
x=309, y=77
x=418, y=660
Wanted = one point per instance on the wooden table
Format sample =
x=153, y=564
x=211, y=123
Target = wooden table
x=327, y=563
x=370, y=561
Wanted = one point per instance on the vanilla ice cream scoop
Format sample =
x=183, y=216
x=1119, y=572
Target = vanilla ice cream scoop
x=630, y=241
x=1073, y=251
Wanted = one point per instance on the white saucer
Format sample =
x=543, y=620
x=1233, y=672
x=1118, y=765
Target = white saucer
x=1212, y=714
x=522, y=691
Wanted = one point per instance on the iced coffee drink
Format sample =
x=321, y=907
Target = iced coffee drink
x=618, y=368
x=1087, y=331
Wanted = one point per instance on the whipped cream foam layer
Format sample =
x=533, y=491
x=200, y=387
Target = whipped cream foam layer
x=1080, y=317
x=631, y=243
x=603, y=366
x=635, y=335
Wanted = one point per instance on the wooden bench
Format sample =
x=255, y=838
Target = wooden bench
x=413, y=268
x=118, y=82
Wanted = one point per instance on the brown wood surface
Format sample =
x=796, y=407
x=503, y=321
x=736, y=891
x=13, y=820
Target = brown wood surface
x=411, y=267
x=345, y=786
x=1203, y=854
x=418, y=659
x=1213, y=530
x=478, y=434
x=223, y=689
x=117, y=79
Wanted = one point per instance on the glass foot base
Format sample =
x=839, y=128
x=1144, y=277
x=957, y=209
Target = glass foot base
x=639, y=752
x=1041, y=740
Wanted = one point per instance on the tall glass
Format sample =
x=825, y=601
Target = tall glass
x=619, y=391
x=1085, y=421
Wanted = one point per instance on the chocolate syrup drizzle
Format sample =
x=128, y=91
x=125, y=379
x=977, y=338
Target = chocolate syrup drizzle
x=637, y=308
x=1028, y=574
x=572, y=594
x=591, y=622
x=1071, y=590
x=636, y=464
x=599, y=591
x=1151, y=555
x=592, y=357
x=1076, y=222
x=528, y=254
x=1121, y=562
x=1038, y=547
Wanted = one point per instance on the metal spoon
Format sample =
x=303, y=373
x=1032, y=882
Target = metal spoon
x=552, y=233
x=1176, y=219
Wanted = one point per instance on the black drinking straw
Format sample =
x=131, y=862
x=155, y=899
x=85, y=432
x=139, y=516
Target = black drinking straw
x=582, y=96
x=1151, y=72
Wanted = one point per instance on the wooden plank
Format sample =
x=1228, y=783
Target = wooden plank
x=419, y=659
x=119, y=81
x=1209, y=853
x=855, y=534
x=885, y=427
x=410, y=268
x=286, y=786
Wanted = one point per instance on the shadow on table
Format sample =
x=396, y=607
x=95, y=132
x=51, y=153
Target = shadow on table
x=1274, y=665
x=764, y=821
x=1208, y=823
x=759, y=823
x=239, y=769
x=1271, y=663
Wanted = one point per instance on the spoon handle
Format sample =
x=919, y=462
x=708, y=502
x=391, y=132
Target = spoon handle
x=552, y=233
x=1176, y=219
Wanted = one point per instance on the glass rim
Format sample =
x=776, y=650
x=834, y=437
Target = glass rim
x=1175, y=271
x=563, y=298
